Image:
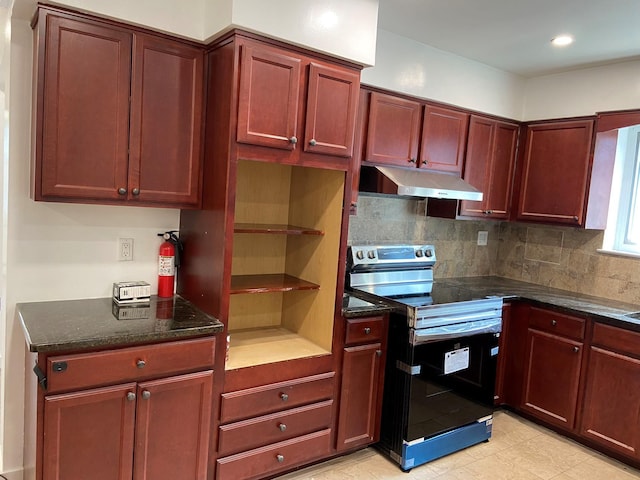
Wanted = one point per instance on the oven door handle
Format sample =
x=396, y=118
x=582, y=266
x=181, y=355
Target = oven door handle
x=466, y=329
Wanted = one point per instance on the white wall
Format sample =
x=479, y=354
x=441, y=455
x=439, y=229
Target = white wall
x=583, y=92
x=404, y=65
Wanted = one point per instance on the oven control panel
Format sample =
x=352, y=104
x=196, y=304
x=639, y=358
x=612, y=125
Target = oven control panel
x=391, y=255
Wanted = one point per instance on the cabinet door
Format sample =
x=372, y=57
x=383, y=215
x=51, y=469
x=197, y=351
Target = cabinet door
x=268, y=97
x=166, y=122
x=611, y=411
x=89, y=434
x=173, y=428
x=394, y=130
x=83, y=111
x=554, y=173
x=360, y=396
x=444, y=136
x=332, y=101
x=478, y=163
x=500, y=179
x=552, y=374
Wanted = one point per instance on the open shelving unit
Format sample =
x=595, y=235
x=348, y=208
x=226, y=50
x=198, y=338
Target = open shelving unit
x=284, y=270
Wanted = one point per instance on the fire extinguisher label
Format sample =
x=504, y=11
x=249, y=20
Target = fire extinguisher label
x=166, y=266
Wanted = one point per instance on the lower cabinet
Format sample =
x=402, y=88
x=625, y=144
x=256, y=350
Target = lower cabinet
x=272, y=428
x=611, y=409
x=362, y=383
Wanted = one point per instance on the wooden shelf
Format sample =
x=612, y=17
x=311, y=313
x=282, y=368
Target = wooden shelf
x=274, y=228
x=277, y=282
x=268, y=345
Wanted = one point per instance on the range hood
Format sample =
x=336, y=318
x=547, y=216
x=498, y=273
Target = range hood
x=420, y=183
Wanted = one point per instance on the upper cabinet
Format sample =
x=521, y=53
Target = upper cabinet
x=118, y=114
x=490, y=160
x=554, y=171
x=291, y=102
x=444, y=135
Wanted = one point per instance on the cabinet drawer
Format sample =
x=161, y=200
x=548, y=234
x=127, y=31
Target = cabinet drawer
x=617, y=339
x=558, y=323
x=276, y=427
x=275, y=397
x=364, y=330
x=78, y=371
x=271, y=459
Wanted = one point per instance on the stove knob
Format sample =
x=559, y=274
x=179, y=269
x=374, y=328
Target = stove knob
x=371, y=254
x=418, y=253
x=360, y=254
x=428, y=253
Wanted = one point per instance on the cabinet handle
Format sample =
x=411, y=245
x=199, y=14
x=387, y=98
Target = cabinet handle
x=136, y=191
x=313, y=142
x=284, y=397
x=282, y=427
x=379, y=353
x=131, y=396
x=367, y=330
x=140, y=363
x=412, y=160
x=280, y=458
x=122, y=191
x=146, y=394
x=293, y=140
x=576, y=349
x=554, y=323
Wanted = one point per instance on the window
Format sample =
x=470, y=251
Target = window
x=623, y=225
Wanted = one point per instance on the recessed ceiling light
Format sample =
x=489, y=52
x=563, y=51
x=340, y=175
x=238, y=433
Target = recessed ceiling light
x=562, y=40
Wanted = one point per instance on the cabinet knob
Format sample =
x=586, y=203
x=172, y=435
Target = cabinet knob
x=282, y=427
x=412, y=160
x=575, y=218
x=280, y=458
x=122, y=191
x=293, y=140
x=576, y=349
x=131, y=396
x=136, y=191
x=146, y=394
x=367, y=330
x=313, y=142
x=554, y=323
x=379, y=353
x=284, y=397
x=140, y=363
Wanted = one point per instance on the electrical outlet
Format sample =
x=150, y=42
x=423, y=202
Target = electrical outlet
x=483, y=236
x=125, y=249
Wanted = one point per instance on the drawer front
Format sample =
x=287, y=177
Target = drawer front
x=364, y=330
x=265, y=461
x=274, y=397
x=616, y=339
x=276, y=427
x=558, y=323
x=78, y=371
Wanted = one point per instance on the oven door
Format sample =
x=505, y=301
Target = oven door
x=452, y=383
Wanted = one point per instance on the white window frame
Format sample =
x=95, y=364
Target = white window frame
x=622, y=234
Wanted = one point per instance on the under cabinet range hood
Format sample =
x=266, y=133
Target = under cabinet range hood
x=420, y=183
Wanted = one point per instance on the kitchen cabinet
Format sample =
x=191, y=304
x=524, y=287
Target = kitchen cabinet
x=118, y=114
x=556, y=162
x=554, y=353
x=511, y=354
x=270, y=428
x=443, y=139
x=274, y=111
x=611, y=408
x=489, y=166
x=130, y=413
x=362, y=382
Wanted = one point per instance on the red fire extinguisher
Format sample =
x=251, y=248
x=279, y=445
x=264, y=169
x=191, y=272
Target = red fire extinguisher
x=168, y=261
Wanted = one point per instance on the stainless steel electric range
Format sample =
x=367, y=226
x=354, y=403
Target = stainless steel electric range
x=442, y=357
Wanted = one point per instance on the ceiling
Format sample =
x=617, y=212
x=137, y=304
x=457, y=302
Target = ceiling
x=514, y=35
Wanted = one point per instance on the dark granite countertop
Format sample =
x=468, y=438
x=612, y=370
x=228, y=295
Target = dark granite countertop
x=599, y=309
x=93, y=323
x=353, y=307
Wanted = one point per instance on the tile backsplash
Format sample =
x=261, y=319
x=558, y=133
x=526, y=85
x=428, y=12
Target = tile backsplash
x=559, y=257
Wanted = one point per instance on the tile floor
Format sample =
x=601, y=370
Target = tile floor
x=518, y=450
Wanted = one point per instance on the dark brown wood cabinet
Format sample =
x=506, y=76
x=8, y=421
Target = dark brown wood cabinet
x=145, y=426
x=443, y=139
x=489, y=166
x=611, y=408
x=362, y=382
x=555, y=167
x=118, y=114
x=554, y=355
x=286, y=99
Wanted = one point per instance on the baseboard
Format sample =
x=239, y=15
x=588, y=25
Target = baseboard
x=14, y=475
